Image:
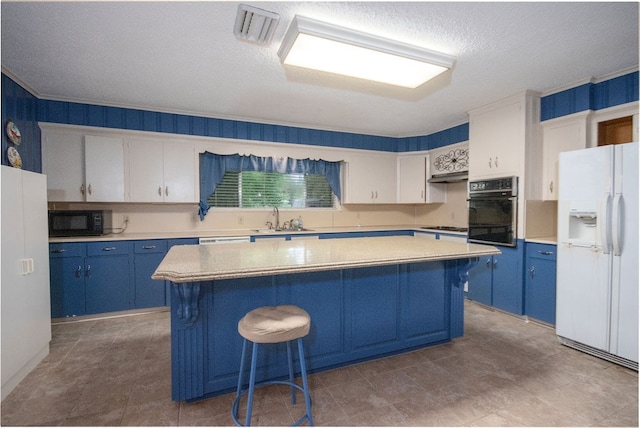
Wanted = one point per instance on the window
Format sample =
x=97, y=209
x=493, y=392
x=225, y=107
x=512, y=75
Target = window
x=253, y=189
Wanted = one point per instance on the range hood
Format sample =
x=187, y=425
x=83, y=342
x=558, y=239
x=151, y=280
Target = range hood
x=452, y=177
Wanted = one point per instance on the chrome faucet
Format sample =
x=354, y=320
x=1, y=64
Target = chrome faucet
x=276, y=213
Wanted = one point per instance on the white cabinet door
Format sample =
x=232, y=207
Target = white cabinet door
x=371, y=179
x=411, y=179
x=146, y=181
x=413, y=188
x=559, y=136
x=180, y=173
x=161, y=172
x=63, y=164
x=104, y=169
x=496, y=140
x=26, y=315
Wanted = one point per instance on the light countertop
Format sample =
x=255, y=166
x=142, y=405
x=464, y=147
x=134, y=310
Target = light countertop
x=543, y=240
x=196, y=263
x=243, y=232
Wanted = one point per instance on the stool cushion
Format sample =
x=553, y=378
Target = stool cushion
x=274, y=324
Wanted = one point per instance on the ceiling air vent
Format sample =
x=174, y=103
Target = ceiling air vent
x=255, y=25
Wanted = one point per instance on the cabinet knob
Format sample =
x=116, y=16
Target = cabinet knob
x=159, y=190
x=546, y=253
x=490, y=162
x=82, y=189
x=149, y=247
x=495, y=264
x=551, y=187
x=166, y=190
x=495, y=162
x=108, y=248
x=58, y=251
x=488, y=263
x=88, y=271
x=89, y=189
x=79, y=272
x=532, y=272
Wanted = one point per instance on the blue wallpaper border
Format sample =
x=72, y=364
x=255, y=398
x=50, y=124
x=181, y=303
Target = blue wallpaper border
x=590, y=96
x=26, y=110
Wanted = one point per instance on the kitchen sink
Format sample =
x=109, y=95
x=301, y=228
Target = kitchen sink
x=281, y=230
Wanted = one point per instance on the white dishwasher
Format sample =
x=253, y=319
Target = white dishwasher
x=224, y=240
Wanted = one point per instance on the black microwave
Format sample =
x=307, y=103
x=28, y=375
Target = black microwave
x=79, y=223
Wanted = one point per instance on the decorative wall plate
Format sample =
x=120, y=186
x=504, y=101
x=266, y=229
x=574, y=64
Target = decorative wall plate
x=13, y=133
x=14, y=157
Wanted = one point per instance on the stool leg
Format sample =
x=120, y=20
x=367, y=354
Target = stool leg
x=290, y=361
x=242, y=362
x=252, y=383
x=305, y=383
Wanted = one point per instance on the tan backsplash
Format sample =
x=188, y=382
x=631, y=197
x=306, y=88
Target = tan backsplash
x=452, y=213
x=541, y=219
x=150, y=218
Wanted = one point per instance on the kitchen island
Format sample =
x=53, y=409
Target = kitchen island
x=367, y=297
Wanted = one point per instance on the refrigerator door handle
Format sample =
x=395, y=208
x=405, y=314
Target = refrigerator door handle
x=605, y=227
x=616, y=223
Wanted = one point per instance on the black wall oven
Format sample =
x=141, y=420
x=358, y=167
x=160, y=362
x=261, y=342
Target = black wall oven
x=493, y=211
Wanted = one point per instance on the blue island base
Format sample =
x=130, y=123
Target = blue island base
x=356, y=315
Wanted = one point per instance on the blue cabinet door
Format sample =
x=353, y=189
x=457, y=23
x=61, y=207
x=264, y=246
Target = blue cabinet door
x=424, y=290
x=508, y=290
x=373, y=293
x=149, y=293
x=66, y=279
x=540, y=282
x=480, y=281
x=107, y=283
x=67, y=286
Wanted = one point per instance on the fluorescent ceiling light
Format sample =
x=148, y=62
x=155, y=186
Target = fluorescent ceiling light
x=320, y=46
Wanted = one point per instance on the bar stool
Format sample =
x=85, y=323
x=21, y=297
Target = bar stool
x=273, y=324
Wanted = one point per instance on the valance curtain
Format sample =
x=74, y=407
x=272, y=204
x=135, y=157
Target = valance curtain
x=213, y=168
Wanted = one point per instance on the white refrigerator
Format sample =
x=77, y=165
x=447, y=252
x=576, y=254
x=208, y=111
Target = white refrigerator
x=597, y=259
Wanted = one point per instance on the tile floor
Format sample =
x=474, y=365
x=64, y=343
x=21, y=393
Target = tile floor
x=503, y=372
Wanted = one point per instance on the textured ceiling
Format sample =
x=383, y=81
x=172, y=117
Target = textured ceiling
x=183, y=57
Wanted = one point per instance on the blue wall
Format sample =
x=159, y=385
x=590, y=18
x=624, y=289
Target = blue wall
x=590, y=96
x=26, y=110
x=21, y=107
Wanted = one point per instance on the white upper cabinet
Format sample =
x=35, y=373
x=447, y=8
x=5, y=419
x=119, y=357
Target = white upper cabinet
x=504, y=140
x=496, y=135
x=104, y=169
x=63, y=164
x=83, y=168
x=413, y=172
x=560, y=135
x=370, y=179
x=161, y=171
x=412, y=179
x=180, y=173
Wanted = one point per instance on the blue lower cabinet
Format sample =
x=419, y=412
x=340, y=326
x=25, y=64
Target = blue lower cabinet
x=481, y=281
x=149, y=293
x=497, y=280
x=108, y=276
x=540, y=282
x=66, y=278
